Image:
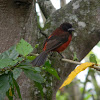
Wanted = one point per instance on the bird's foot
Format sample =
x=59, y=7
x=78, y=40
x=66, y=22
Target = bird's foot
x=62, y=56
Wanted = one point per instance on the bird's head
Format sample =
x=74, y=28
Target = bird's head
x=67, y=27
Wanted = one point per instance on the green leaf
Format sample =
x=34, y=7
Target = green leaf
x=16, y=72
x=87, y=97
x=92, y=58
x=4, y=85
x=36, y=46
x=24, y=48
x=51, y=70
x=40, y=87
x=33, y=76
x=75, y=57
x=7, y=62
x=38, y=69
x=20, y=59
x=47, y=63
x=35, y=69
x=17, y=88
x=31, y=57
x=10, y=53
x=27, y=67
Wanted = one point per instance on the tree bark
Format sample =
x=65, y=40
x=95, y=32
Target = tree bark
x=18, y=20
x=85, y=17
x=62, y=3
x=46, y=7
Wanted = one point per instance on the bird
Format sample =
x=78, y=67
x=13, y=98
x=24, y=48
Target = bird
x=58, y=41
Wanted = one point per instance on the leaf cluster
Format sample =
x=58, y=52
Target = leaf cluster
x=13, y=62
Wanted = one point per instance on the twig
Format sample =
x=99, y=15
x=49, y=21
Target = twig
x=71, y=61
x=75, y=62
x=79, y=63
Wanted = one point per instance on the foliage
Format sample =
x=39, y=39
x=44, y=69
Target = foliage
x=92, y=58
x=17, y=59
x=13, y=62
x=61, y=96
x=24, y=48
x=47, y=67
x=72, y=75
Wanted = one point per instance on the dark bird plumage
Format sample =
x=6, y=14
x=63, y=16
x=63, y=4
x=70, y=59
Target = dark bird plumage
x=57, y=41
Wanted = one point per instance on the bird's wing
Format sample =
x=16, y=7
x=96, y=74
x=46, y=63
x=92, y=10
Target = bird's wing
x=56, y=41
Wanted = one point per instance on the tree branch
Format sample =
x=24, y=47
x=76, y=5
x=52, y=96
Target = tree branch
x=84, y=16
x=75, y=62
x=71, y=61
x=79, y=63
x=46, y=7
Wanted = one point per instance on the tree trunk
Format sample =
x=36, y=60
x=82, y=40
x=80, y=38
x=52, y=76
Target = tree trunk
x=18, y=20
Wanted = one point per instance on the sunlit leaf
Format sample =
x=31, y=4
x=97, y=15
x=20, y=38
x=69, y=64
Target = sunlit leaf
x=92, y=58
x=75, y=56
x=24, y=48
x=31, y=57
x=36, y=46
x=75, y=72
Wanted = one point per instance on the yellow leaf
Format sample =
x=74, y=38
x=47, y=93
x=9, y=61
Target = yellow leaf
x=75, y=72
x=10, y=92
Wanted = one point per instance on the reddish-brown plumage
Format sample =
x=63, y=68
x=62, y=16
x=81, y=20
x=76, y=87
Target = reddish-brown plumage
x=58, y=32
x=64, y=46
x=57, y=41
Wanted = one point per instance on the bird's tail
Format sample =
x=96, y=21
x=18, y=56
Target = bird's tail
x=40, y=60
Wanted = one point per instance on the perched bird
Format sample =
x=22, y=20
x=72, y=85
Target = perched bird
x=57, y=41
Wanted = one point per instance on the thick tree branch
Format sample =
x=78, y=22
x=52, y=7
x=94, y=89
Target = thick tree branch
x=75, y=62
x=85, y=17
x=46, y=7
x=18, y=20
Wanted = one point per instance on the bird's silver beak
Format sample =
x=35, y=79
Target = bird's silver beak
x=71, y=29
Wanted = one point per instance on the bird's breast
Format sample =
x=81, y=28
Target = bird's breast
x=64, y=46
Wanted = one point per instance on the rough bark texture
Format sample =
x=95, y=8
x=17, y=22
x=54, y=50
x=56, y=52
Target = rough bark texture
x=18, y=20
x=85, y=17
x=46, y=7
